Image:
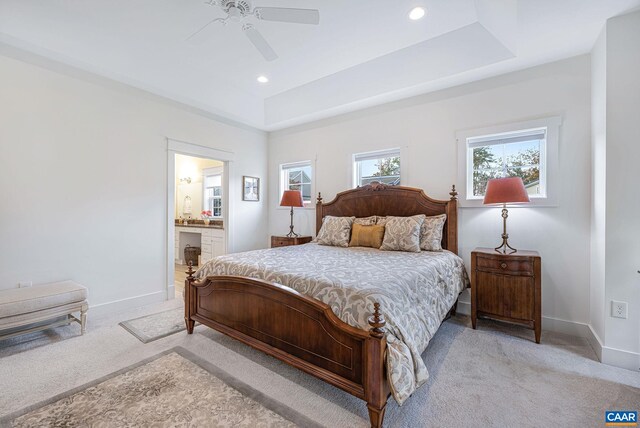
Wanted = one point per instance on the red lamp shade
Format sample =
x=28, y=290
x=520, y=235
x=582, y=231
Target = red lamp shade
x=292, y=198
x=505, y=191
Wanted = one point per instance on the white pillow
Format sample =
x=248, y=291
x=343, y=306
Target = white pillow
x=402, y=233
x=335, y=231
x=431, y=233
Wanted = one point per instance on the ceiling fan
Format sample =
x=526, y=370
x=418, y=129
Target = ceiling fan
x=239, y=11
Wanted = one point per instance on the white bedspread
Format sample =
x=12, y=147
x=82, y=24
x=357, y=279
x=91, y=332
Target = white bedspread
x=415, y=291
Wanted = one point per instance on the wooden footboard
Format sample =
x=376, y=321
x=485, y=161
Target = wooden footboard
x=296, y=329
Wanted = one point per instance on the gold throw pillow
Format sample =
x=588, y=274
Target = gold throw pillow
x=366, y=236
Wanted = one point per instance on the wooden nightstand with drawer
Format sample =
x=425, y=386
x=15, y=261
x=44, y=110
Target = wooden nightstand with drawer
x=285, y=241
x=507, y=287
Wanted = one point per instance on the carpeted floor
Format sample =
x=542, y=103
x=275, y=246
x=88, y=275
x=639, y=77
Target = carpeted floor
x=494, y=376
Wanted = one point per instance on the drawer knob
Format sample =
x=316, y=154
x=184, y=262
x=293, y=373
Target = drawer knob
x=503, y=265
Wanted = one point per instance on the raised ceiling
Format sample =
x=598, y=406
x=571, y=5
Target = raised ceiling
x=363, y=53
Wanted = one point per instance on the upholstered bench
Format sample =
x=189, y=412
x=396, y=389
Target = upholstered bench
x=43, y=305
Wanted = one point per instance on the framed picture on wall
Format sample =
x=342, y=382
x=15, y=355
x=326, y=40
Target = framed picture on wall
x=250, y=188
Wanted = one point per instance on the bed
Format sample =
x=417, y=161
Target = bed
x=357, y=318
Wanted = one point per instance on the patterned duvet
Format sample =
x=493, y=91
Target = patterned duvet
x=415, y=291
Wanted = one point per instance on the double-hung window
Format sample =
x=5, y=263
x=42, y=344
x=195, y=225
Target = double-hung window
x=213, y=191
x=297, y=176
x=382, y=166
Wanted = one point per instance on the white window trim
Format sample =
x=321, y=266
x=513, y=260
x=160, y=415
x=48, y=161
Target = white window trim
x=375, y=155
x=216, y=170
x=549, y=167
x=287, y=165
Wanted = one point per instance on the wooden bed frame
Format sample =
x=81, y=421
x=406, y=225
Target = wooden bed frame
x=304, y=332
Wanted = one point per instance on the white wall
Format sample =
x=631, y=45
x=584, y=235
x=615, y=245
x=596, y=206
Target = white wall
x=425, y=128
x=83, y=182
x=622, y=256
x=598, y=184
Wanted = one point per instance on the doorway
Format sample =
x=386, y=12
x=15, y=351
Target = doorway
x=198, y=213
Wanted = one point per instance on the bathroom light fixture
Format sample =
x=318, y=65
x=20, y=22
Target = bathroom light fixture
x=417, y=13
x=263, y=79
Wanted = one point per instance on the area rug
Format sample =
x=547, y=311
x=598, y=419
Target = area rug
x=175, y=388
x=156, y=326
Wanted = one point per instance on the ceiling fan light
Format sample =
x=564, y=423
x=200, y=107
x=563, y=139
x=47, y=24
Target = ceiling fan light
x=417, y=13
x=263, y=79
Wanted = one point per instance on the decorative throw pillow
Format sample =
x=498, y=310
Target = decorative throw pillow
x=366, y=236
x=382, y=220
x=431, y=233
x=335, y=231
x=403, y=233
x=366, y=221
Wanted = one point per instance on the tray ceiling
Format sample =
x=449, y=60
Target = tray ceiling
x=363, y=53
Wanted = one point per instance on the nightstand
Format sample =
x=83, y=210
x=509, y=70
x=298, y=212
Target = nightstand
x=507, y=287
x=285, y=241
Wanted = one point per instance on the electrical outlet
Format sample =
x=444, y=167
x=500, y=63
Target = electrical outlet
x=618, y=309
x=25, y=284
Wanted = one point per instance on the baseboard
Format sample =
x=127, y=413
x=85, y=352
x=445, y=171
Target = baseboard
x=548, y=324
x=595, y=342
x=128, y=303
x=572, y=328
x=612, y=356
x=620, y=358
x=464, y=308
x=171, y=291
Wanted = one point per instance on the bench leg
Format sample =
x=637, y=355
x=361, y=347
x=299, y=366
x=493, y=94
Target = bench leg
x=83, y=318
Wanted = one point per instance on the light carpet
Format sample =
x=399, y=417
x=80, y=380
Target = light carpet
x=172, y=389
x=29, y=341
x=493, y=376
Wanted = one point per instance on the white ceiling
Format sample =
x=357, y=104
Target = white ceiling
x=364, y=52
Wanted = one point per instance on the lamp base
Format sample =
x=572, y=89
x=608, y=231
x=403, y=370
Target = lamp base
x=505, y=247
x=291, y=233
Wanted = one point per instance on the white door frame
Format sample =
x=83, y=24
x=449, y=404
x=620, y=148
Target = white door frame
x=175, y=147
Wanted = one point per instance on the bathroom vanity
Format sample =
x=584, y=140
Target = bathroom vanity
x=209, y=238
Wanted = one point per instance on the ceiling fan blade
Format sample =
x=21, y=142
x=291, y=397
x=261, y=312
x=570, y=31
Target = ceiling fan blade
x=259, y=42
x=283, y=14
x=204, y=33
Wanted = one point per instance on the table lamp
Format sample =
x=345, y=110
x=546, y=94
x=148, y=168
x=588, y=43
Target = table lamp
x=509, y=190
x=291, y=198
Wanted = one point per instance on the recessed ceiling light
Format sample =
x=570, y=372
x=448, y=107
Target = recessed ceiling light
x=417, y=13
x=263, y=79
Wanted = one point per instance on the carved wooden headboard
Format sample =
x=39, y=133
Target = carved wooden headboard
x=380, y=199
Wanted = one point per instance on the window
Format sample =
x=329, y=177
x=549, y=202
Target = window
x=297, y=176
x=515, y=154
x=382, y=166
x=213, y=191
x=528, y=150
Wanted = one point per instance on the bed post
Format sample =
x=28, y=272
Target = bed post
x=452, y=221
x=189, y=299
x=318, y=213
x=376, y=387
